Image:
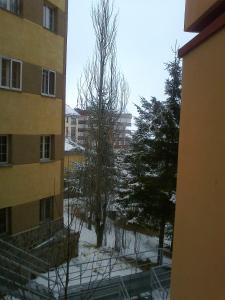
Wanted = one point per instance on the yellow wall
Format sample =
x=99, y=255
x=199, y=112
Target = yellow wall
x=195, y=9
x=25, y=183
x=22, y=113
x=24, y=217
x=58, y=3
x=70, y=159
x=198, y=271
x=29, y=42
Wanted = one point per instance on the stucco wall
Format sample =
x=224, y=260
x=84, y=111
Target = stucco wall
x=195, y=9
x=25, y=40
x=26, y=183
x=22, y=113
x=199, y=248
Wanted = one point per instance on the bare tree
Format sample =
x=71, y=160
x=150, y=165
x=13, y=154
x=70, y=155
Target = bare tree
x=103, y=93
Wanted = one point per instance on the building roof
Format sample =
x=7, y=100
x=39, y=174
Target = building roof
x=70, y=111
x=71, y=146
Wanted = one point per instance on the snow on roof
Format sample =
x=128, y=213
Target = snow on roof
x=70, y=146
x=70, y=111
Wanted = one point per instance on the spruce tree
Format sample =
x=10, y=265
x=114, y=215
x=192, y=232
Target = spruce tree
x=154, y=155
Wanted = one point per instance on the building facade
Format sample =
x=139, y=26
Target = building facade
x=71, y=123
x=32, y=99
x=76, y=127
x=198, y=271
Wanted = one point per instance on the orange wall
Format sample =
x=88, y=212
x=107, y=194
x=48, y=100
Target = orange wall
x=198, y=271
x=195, y=9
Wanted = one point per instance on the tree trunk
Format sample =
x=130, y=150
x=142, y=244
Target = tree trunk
x=90, y=221
x=99, y=233
x=161, y=241
x=171, y=245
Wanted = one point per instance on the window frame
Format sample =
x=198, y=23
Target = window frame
x=3, y=163
x=50, y=7
x=42, y=150
x=10, y=87
x=47, y=94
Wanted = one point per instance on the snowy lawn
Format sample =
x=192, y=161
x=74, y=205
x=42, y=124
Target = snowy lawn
x=97, y=264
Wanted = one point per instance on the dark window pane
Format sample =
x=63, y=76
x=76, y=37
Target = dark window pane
x=3, y=149
x=51, y=83
x=52, y=17
x=16, y=71
x=3, y=220
x=41, y=148
x=46, y=209
x=5, y=72
x=15, y=6
x=3, y=4
x=45, y=82
x=48, y=17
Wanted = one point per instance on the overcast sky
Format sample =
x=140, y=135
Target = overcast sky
x=147, y=31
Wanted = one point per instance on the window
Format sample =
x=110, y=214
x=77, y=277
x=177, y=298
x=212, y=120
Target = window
x=45, y=148
x=48, y=82
x=49, y=17
x=73, y=133
x=3, y=220
x=46, y=209
x=11, y=5
x=3, y=149
x=10, y=73
x=67, y=131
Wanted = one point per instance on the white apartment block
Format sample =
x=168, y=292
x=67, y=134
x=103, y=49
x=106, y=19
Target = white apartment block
x=71, y=123
x=76, y=127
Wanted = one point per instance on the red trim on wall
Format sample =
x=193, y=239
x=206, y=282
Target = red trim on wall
x=216, y=10
x=213, y=28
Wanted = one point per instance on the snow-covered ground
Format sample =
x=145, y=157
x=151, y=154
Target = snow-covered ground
x=97, y=264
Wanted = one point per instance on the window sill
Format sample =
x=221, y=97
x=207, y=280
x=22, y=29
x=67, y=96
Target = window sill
x=10, y=89
x=49, y=96
x=46, y=161
x=11, y=12
x=43, y=222
x=5, y=165
x=50, y=30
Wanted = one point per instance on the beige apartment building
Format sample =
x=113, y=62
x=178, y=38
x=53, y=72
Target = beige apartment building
x=198, y=271
x=33, y=37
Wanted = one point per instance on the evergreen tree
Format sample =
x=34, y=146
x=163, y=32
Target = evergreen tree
x=154, y=155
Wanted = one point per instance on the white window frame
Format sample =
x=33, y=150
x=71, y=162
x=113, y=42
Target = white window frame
x=7, y=152
x=47, y=94
x=44, y=17
x=42, y=151
x=10, y=87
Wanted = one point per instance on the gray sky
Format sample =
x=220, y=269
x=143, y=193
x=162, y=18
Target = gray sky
x=147, y=30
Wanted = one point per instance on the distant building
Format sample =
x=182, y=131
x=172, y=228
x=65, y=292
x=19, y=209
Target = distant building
x=76, y=127
x=73, y=153
x=71, y=123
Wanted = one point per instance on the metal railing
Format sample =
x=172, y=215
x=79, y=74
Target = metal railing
x=18, y=270
x=99, y=271
x=160, y=281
